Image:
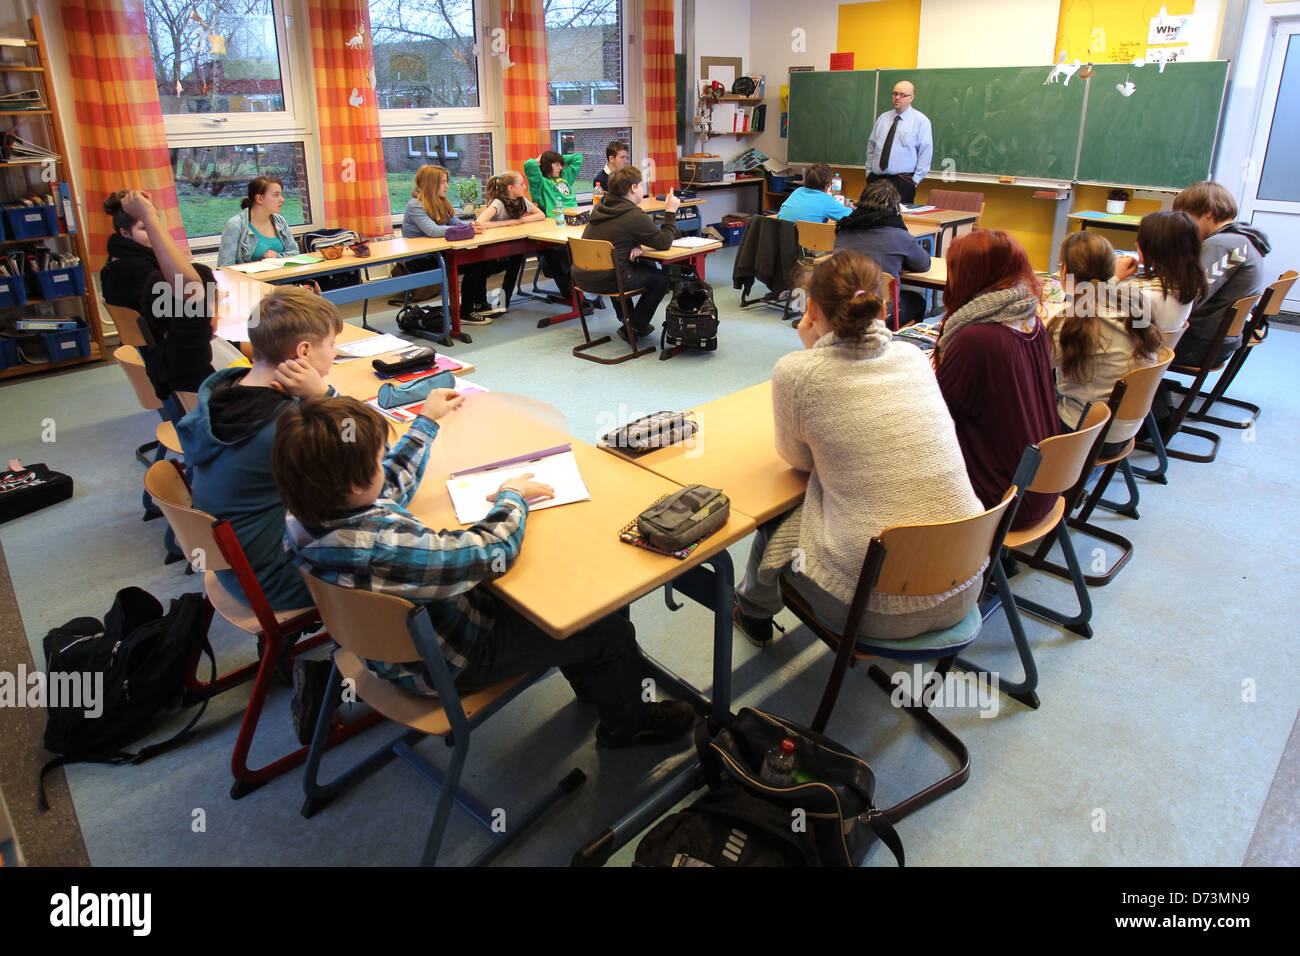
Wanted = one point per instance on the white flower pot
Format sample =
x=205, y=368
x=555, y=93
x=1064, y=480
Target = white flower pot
x=1115, y=206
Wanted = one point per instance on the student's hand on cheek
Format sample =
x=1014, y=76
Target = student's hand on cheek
x=807, y=334
x=296, y=377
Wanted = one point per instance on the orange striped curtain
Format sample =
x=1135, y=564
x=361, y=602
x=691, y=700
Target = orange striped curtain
x=352, y=153
x=660, y=74
x=528, y=111
x=119, y=119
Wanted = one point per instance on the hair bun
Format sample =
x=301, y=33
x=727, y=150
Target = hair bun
x=113, y=203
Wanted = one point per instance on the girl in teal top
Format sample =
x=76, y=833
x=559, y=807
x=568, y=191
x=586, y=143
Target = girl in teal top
x=811, y=202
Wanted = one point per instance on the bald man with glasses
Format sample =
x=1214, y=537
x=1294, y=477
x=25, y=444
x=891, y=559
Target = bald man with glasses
x=901, y=144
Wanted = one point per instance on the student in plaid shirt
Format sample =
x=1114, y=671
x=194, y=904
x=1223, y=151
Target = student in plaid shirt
x=348, y=525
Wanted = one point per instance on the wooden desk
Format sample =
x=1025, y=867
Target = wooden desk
x=945, y=221
x=735, y=450
x=1102, y=220
x=936, y=277
x=694, y=256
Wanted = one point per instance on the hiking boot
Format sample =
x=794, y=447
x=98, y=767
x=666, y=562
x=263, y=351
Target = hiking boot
x=310, y=679
x=667, y=721
x=757, y=629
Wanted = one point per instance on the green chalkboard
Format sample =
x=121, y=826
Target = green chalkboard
x=998, y=120
x=1161, y=135
x=831, y=115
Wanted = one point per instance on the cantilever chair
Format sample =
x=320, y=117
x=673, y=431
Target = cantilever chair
x=597, y=255
x=1067, y=461
x=1269, y=305
x=212, y=546
x=1232, y=325
x=915, y=559
x=380, y=627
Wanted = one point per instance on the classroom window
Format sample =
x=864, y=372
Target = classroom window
x=211, y=181
x=464, y=155
x=215, y=56
x=584, y=52
x=591, y=144
x=424, y=54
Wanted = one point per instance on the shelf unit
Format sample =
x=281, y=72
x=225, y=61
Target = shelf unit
x=32, y=176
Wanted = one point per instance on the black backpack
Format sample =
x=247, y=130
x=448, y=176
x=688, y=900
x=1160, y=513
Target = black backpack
x=426, y=321
x=136, y=660
x=24, y=490
x=691, y=318
x=830, y=819
x=312, y=241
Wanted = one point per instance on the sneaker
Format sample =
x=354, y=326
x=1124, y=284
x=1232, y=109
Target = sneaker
x=475, y=318
x=640, y=333
x=489, y=310
x=667, y=721
x=757, y=629
x=310, y=679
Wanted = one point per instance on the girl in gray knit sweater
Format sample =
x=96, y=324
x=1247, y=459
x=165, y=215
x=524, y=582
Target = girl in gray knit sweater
x=864, y=416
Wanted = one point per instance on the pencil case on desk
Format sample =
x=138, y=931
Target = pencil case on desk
x=394, y=396
x=684, y=517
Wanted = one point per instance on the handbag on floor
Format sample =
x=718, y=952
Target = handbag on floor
x=24, y=490
x=108, y=684
x=825, y=815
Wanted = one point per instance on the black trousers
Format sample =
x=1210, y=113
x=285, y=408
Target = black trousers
x=636, y=275
x=555, y=265
x=602, y=661
x=905, y=185
x=473, y=283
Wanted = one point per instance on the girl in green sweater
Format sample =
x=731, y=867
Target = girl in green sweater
x=550, y=181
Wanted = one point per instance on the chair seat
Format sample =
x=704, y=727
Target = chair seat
x=1120, y=456
x=168, y=438
x=424, y=714
x=928, y=646
x=1018, y=539
x=241, y=615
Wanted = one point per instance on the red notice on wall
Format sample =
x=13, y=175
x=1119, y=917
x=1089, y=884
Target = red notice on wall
x=842, y=61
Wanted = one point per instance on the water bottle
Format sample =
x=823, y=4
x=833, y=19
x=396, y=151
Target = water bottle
x=837, y=184
x=778, y=765
x=559, y=214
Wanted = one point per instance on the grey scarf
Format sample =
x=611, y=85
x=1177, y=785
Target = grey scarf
x=1007, y=307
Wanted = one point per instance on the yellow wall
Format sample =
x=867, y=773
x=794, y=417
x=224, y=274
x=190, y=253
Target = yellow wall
x=1110, y=31
x=881, y=35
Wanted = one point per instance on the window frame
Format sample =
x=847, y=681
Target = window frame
x=628, y=113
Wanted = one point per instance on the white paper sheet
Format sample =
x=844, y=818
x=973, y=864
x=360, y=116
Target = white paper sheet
x=691, y=242
x=375, y=345
x=560, y=471
x=726, y=75
x=260, y=265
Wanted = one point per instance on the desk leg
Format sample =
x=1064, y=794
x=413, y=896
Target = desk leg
x=451, y=287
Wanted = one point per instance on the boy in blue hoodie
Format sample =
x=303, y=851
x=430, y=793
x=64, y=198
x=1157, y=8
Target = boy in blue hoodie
x=227, y=437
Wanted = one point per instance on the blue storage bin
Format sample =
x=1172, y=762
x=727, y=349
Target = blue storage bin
x=31, y=222
x=781, y=184
x=13, y=291
x=60, y=283
x=9, y=352
x=60, y=346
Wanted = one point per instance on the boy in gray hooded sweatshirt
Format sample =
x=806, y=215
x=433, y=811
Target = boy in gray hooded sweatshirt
x=1233, y=256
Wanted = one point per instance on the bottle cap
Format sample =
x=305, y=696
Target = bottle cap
x=787, y=746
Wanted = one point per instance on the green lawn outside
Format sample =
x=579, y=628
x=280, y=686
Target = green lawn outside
x=207, y=215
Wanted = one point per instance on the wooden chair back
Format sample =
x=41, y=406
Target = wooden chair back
x=370, y=625
x=933, y=558
x=816, y=236
x=956, y=199
x=128, y=356
x=1240, y=313
x=592, y=255
x=127, y=323
x=1141, y=386
x=187, y=400
x=1270, y=302
x=1171, y=339
x=1064, y=456
x=193, y=528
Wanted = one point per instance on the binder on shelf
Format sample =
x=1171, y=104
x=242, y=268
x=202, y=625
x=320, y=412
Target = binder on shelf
x=68, y=216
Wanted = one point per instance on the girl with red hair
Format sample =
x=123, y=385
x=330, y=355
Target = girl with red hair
x=994, y=364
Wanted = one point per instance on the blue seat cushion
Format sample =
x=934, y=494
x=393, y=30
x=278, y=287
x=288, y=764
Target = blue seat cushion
x=929, y=646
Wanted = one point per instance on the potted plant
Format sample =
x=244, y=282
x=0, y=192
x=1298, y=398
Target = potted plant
x=1115, y=201
x=469, y=191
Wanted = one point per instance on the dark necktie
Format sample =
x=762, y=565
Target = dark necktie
x=889, y=144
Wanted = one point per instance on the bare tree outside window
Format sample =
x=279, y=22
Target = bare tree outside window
x=424, y=53
x=584, y=52
x=215, y=56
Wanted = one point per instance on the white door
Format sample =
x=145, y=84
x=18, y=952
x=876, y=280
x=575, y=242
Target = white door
x=1275, y=206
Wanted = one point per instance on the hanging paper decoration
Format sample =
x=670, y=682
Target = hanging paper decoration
x=358, y=42
x=356, y=99
x=1086, y=72
x=1127, y=88
x=1063, y=69
x=370, y=78
x=216, y=44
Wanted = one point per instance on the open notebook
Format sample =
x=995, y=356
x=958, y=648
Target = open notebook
x=557, y=467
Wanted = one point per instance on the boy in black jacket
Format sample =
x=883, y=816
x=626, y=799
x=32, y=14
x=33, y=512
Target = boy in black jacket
x=619, y=220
